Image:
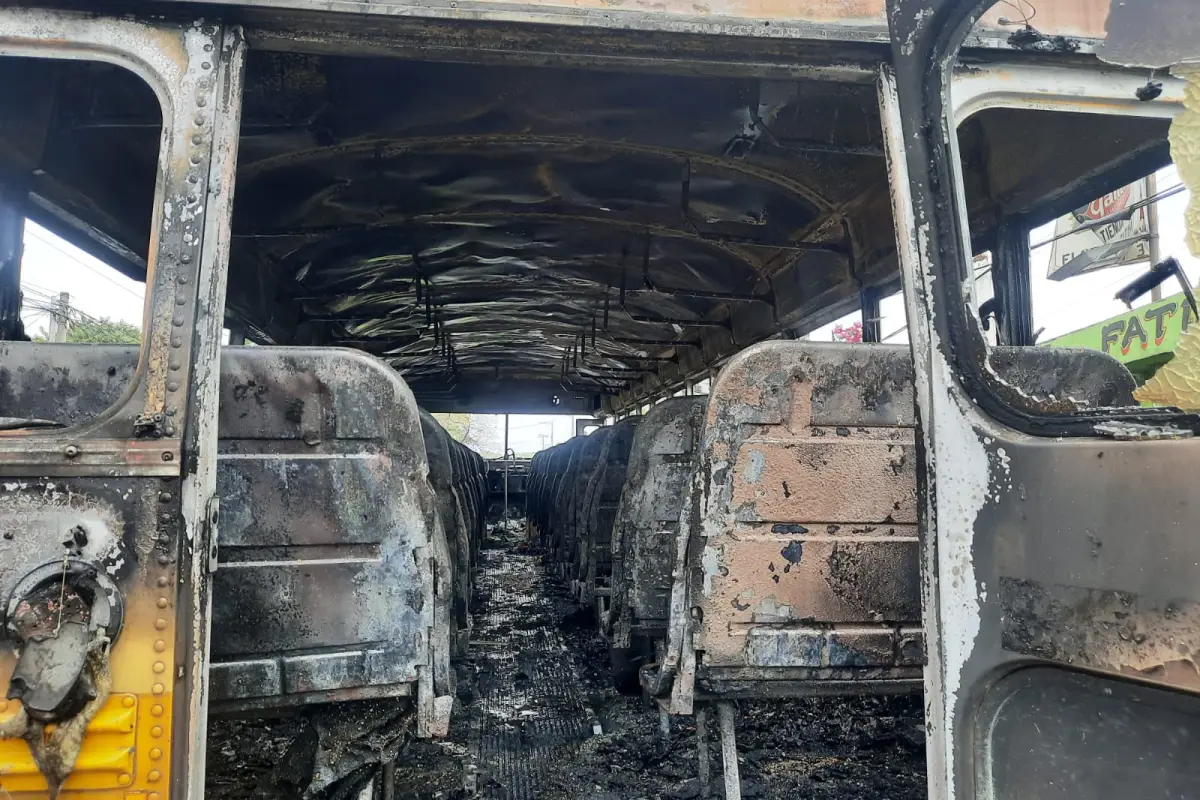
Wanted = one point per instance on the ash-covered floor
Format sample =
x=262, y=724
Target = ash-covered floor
x=537, y=718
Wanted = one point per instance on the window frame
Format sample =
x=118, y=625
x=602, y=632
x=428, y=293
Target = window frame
x=927, y=42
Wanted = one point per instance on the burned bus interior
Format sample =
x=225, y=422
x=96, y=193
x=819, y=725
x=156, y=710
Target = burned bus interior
x=576, y=240
x=495, y=219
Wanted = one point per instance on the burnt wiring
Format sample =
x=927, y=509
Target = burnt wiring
x=1026, y=19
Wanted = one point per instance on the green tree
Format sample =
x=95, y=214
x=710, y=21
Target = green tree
x=98, y=331
x=457, y=425
x=476, y=431
x=104, y=331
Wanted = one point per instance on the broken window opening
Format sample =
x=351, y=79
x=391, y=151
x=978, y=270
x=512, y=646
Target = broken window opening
x=80, y=159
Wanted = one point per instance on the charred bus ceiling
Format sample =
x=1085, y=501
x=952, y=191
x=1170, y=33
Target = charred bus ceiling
x=513, y=237
x=477, y=226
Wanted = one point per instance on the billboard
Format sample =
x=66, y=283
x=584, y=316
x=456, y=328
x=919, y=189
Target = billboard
x=1145, y=335
x=1110, y=231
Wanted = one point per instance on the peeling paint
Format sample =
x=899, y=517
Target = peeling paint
x=710, y=562
x=755, y=461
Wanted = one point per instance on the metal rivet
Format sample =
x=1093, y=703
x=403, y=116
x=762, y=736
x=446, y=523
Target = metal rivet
x=168, y=456
x=170, y=430
x=172, y=387
x=160, y=646
x=197, y=138
x=177, y=322
x=201, y=102
x=199, y=120
x=70, y=451
x=181, y=301
x=182, y=279
x=165, y=516
x=186, y=258
x=175, y=365
x=128, y=702
x=157, y=711
x=208, y=48
x=156, y=731
x=193, y=177
x=206, y=65
x=195, y=158
x=171, y=412
x=153, y=796
x=160, y=624
x=176, y=341
x=155, y=753
x=159, y=666
x=164, y=497
x=158, y=688
x=124, y=779
x=162, y=602
x=164, y=560
x=153, y=776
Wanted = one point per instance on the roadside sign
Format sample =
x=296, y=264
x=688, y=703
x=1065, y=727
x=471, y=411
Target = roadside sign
x=1139, y=338
x=1086, y=247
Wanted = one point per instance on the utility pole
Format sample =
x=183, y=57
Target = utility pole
x=1152, y=228
x=506, y=474
x=60, y=318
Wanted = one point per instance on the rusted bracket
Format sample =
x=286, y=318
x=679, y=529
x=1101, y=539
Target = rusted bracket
x=625, y=370
x=416, y=257
x=603, y=384
x=623, y=358
x=740, y=297
x=811, y=146
x=654, y=342
x=683, y=323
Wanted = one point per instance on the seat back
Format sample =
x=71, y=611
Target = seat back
x=330, y=536
x=588, y=461
x=328, y=527
x=593, y=557
x=645, y=533
x=801, y=570
x=445, y=471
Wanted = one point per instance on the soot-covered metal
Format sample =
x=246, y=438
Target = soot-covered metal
x=586, y=228
x=591, y=233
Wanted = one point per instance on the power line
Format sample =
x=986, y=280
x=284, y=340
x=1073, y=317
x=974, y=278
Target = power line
x=1100, y=223
x=80, y=262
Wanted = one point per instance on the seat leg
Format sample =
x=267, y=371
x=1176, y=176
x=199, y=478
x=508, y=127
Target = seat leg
x=387, y=778
x=733, y=781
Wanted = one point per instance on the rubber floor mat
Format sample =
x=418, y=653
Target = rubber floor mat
x=531, y=715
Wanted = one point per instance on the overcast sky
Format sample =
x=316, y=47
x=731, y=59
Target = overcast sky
x=51, y=266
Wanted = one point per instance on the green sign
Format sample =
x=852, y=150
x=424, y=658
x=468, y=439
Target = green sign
x=1140, y=338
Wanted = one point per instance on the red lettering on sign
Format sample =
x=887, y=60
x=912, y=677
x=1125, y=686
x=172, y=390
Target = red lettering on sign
x=1109, y=204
